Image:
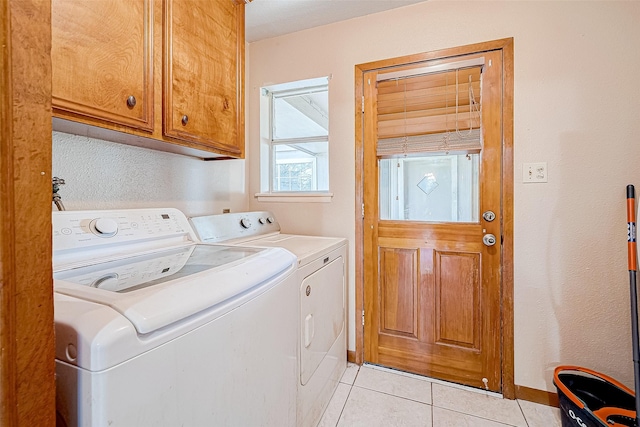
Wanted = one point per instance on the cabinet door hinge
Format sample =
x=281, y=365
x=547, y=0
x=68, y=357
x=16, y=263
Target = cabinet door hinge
x=363, y=211
x=363, y=104
x=362, y=317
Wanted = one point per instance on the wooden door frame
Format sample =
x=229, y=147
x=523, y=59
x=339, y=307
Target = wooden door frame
x=27, y=356
x=506, y=47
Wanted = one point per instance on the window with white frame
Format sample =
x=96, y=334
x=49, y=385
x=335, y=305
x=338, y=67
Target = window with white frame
x=295, y=124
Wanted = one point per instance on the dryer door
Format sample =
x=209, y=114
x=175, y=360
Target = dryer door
x=321, y=315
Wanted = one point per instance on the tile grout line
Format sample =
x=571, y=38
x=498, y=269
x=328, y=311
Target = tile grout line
x=395, y=395
x=431, y=392
x=477, y=416
x=432, y=404
x=526, y=421
x=344, y=405
x=348, y=394
x=490, y=395
x=341, y=410
x=434, y=381
x=392, y=395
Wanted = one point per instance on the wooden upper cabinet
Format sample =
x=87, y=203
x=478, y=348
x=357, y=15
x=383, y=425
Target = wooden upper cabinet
x=170, y=71
x=102, y=59
x=203, y=61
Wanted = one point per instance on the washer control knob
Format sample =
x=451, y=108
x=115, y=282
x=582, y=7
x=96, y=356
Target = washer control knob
x=108, y=282
x=105, y=227
x=270, y=220
x=262, y=221
x=245, y=223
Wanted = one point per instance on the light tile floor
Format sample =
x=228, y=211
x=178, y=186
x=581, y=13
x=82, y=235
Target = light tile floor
x=370, y=396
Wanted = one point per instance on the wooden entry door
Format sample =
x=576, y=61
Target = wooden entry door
x=432, y=296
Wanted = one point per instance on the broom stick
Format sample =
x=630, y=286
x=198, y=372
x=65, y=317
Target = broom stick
x=633, y=267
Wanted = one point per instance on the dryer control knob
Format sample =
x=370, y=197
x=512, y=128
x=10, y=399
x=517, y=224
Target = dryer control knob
x=105, y=227
x=262, y=221
x=245, y=223
x=270, y=220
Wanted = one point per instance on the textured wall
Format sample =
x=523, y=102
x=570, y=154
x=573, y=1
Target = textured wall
x=576, y=107
x=107, y=175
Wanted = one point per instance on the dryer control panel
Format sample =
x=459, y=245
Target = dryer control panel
x=235, y=226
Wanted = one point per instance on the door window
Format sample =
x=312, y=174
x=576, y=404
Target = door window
x=441, y=188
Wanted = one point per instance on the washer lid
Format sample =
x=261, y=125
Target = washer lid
x=157, y=289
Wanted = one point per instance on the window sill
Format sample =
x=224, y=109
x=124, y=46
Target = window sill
x=295, y=197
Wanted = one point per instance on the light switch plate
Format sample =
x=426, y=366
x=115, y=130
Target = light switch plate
x=534, y=172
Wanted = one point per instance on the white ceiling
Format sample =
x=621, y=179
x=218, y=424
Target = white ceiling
x=270, y=18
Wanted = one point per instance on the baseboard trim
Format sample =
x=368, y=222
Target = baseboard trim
x=537, y=396
x=351, y=356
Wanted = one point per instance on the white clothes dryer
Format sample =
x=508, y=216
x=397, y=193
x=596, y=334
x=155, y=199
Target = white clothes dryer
x=322, y=280
x=155, y=329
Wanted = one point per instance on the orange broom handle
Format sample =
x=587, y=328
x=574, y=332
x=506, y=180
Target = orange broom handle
x=633, y=291
x=631, y=229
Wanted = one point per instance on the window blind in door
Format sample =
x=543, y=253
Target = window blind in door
x=430, y=113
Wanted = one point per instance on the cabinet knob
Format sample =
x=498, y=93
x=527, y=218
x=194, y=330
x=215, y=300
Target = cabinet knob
x=131, y=101
x=185, y=120
x=225, y=104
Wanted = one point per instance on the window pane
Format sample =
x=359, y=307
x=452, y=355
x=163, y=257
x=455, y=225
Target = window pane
x=301, y=167
x=300, y=115
x=430, y=188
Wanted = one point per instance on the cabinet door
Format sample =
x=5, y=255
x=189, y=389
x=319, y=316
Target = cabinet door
x=204, y=73
x=101, y=55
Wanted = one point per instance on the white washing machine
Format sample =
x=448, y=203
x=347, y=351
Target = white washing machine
x=322, y=270
x=155, y=329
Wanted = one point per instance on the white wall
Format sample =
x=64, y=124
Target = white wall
x=107, y=175
x=576, y=107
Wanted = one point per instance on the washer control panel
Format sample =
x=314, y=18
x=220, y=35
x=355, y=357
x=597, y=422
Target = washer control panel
x=74, y=230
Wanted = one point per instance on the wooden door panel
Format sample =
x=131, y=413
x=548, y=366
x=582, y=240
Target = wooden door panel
x=428, y=363
x=446, y=346
x=421, y=358
x=398, y=289
x=457, y=302
x=101, y=55
x=446, y=236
